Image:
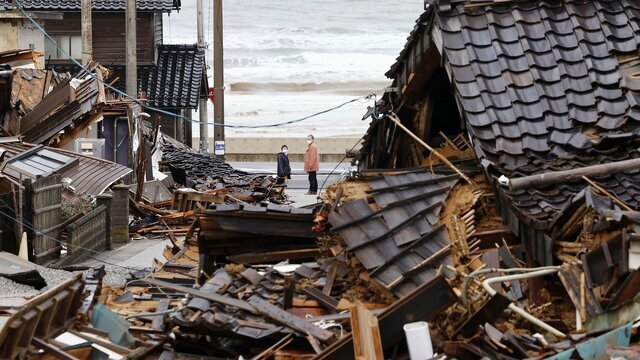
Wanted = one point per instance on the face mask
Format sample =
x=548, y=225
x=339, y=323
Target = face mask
x=309, y=141
x=285, y=151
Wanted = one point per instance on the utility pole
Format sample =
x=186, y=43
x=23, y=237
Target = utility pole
x=132, y=59
x=202, y=111
x=87, y=37
x=218, y=79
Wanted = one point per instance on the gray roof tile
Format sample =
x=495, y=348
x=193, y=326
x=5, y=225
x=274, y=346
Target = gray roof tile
x=556, y=77
x=98, y=5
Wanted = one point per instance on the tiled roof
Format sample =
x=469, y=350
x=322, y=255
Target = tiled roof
x=97, y=5
x=402, y=243
x=544, y=86
x=177, y=79
x=174, y=82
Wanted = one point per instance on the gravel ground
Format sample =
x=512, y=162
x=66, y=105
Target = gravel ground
x=128, y=259
x=11, y=289
x=115, y=275
x=54, y=277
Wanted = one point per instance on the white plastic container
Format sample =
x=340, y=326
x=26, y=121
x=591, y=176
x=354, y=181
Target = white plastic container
x=418, y=340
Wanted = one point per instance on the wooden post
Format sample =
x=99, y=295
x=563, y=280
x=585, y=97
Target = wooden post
x=202, y=107
x=607, y=194
x=218, y=73
x=87, y=35
x=131, y=55
x=396, y=120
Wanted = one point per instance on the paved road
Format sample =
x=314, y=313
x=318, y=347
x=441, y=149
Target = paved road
x=298, y=176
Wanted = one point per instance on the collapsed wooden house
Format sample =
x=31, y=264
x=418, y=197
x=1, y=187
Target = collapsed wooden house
x=540, y=87
x=546, y=94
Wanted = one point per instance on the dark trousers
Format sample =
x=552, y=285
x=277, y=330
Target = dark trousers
x=313, y=182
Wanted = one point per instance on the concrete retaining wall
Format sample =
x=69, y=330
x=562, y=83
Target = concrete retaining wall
x=265, y=149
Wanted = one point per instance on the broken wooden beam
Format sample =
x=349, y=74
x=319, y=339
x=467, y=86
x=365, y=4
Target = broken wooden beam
x=220, y=299
x=52, y=350
x=288, y=319
x=490, y=237
x=325, y=300
x=275, y=256
x=366, y=333
x=424, y=303
x=565, y=176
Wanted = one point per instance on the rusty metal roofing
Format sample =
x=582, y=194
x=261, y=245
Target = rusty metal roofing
x=402, y=244
x=92, y=176
x=96, y=5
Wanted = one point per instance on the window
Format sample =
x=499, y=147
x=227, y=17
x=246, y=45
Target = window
x=71, y=44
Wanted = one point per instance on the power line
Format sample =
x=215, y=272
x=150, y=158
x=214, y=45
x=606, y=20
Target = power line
x=30, y=226
x=341, y=161
x=158, y=110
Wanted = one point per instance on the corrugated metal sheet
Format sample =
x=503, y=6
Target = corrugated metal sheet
x=92, y=176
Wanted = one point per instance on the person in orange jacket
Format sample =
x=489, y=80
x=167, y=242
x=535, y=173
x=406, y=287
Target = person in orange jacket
x=312, y=165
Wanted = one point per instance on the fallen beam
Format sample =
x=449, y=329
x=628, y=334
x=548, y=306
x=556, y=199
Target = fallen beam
x=275, y=256
x=288, y=319
x=424, y=303
x=555, y=177
x=220, y=299
x=52, y=350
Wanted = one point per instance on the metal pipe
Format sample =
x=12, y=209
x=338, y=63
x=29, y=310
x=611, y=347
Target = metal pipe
x=486, y=284
x=159, y=313
x=465, y=282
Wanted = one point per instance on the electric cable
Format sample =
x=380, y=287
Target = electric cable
x=341, y=161
x=30, y=226
x=158, y=110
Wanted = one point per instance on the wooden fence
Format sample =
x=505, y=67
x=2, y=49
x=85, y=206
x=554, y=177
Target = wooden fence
x=43, y=217
x=87, y=234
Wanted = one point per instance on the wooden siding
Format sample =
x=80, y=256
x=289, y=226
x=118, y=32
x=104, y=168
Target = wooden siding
x=109, y=35
x=87, y=234
x=44, y=210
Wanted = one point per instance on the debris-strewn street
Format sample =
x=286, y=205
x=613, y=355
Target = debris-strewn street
x=491, y=211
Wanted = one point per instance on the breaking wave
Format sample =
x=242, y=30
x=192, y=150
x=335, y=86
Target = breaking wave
x=352, y=87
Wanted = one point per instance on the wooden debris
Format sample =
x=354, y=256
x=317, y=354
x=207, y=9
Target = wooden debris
x=366, y=334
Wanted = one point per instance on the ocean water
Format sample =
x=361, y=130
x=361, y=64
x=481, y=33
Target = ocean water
x=286, y=59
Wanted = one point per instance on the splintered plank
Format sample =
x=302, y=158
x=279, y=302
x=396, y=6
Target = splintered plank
x=366, y=334
x=274, y=256
x=423, y=304
x=220, y=299
x=288, y=319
